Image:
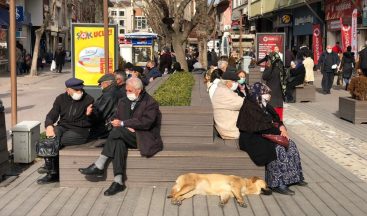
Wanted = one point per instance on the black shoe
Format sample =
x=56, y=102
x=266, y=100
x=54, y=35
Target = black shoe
x=42, y=170
x=302, y=183
x=92, y=170
x=114, y=189
x=284, y=191
x=48, y=179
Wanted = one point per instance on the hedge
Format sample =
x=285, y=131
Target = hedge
x=176, y=91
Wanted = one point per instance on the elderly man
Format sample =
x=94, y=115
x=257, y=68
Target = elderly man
x=136, y=124
x=328, y=64
x=120, y=79
x=226, y=106
x=104, y=107
x=152, y=71
x=71, y=111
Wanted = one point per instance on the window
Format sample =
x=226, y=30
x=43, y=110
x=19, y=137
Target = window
x=140, y=22
x=122, y=31
x=122, y=13
x=122, y=22
x=113, y=13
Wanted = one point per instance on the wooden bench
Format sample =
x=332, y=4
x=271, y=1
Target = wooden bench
x=304, y=93
x=187, y=134
x=353, y=110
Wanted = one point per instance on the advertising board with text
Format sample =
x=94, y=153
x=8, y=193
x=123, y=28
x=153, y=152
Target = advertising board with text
x=265, y=42
x=88, y=62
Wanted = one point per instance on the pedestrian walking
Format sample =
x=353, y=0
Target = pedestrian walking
x=328, y=64
x=363, y=60
x=347, y=66
x=59, y=58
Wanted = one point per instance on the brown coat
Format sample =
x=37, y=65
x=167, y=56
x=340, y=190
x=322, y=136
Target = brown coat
x=145, y=119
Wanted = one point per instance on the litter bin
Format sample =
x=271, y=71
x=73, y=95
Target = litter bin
x=25, y=136
x=4, y=154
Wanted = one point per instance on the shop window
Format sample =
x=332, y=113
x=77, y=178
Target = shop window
x=142, y=54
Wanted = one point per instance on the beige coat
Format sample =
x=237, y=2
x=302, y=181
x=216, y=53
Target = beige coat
x=226, y=106
x=309, y=64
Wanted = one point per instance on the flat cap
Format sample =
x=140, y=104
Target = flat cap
x=74, y=83
x=106, y=77
x=138, y=69
x=230, y=76
x=128, y=65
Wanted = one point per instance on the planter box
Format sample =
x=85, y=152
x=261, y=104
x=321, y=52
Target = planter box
x=353, y=110
x=304, y=93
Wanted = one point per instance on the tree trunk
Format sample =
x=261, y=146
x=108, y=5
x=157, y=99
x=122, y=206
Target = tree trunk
x=39, y=33
x=180, y=52
x=203, y=55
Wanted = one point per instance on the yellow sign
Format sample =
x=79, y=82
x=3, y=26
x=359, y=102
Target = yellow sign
x=88, y=52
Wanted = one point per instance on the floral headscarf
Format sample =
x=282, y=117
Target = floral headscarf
x=257, y=90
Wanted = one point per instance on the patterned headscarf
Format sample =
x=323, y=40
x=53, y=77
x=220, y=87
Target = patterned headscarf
x=257, y=90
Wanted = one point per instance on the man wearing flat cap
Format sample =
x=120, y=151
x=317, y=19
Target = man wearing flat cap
x=68, y=121
x=226, y=106
x=104, y=107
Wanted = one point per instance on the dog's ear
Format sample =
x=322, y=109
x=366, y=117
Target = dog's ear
x=254, y=179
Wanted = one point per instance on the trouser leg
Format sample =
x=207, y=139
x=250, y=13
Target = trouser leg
x=330, y=80
x=323, y=81
x=116, y=147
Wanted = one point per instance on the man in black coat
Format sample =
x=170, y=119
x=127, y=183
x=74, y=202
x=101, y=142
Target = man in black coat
x=296, y=77
x=104, y=107
x=71, y=111
x=328, y=64
x=59, y=58
x=120, y=79
x=363, y=60
x=137, y=123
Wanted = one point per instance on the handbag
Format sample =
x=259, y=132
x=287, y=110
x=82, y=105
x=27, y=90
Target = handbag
x=53, y=65
x=48, y=147
x=278, y=139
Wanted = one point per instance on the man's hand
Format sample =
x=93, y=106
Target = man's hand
x=116, y=123
x=89, y=110
x=151, y=79
x=50, y=132
x=131, y=130
x=283, y=131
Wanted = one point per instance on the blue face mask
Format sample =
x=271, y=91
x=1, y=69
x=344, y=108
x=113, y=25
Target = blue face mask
x=242, y=81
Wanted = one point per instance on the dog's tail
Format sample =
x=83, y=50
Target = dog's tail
x=266, y=191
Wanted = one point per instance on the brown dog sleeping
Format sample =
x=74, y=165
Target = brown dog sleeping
x=225, y=186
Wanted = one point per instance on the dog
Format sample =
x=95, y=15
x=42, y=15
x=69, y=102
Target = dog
x=224, y=186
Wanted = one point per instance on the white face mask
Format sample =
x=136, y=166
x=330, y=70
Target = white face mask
x=131, y=96
x=329, y=50
x=234, y=86
x=77, y=96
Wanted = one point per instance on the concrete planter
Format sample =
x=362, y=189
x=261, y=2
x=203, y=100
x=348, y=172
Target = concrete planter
x=304, y=93
x=353, y=110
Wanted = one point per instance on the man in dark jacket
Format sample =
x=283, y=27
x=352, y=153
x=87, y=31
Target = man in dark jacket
x=71, y=111
x=363, y=60
x=120, y=79
x=137, y=123
x=328, y=64
x=152, y=72
x=296, y=77
x=104, y=107
x=59, y=58
x=165, y=61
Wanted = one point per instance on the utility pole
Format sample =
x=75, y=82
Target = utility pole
x=12, y=58
x=106, y=36
x=241, y=49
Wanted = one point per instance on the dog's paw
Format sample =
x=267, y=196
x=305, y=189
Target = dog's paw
x=221, y=204
x=243, y=205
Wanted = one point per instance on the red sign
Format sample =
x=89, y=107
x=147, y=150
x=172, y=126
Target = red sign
x=265, y=42
x=334, y=9
x=102, y=65
x=346, y=31
x=316, y=42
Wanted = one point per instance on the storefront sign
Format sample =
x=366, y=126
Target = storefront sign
x=88, y=61
x=283, y=20
x=354, y=31
x=267, y=41
x=335, y=9
x=19, y=15
x=346, y=32
x=303, y=20
x=333, y=25
x=316, y=42
x=142, y=41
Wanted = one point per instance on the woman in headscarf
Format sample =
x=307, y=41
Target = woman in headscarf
x=258, y=117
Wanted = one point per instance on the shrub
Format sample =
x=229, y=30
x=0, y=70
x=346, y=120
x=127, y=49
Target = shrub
x=176, y=91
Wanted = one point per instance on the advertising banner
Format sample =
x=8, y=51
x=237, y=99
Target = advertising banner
x=354, y=31
x=265, y=43
x=316, y=42
x=346, y=32
x=335, y=9
x=88, y=61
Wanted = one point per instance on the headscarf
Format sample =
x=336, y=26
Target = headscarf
x=256, y=91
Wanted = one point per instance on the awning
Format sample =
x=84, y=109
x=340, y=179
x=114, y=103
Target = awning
x=4, y=17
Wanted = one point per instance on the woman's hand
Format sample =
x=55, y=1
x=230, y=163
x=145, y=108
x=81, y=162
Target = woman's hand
x=116, y=123
x=283, y=131
x=50, y=132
